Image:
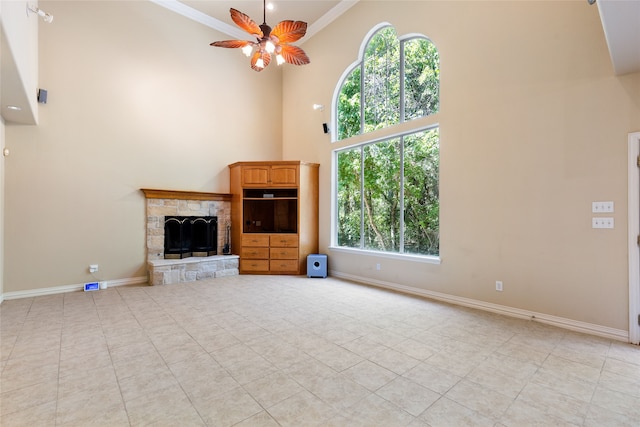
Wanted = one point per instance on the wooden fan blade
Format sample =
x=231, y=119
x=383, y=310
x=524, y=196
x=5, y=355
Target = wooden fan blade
x=266, y=58
x=246, y=23
x=231, y=43
x=289, y=31
x=294, y=55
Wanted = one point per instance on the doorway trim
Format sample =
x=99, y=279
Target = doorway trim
x=633, y=200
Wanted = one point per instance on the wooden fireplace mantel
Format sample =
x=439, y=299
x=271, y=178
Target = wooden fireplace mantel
x=185, y=195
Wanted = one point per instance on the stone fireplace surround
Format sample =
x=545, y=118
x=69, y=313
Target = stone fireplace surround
x=161, y=203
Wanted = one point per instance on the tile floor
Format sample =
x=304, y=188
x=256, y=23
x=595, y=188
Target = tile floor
x=293, y=351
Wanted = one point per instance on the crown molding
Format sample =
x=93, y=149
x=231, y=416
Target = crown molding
x=211, y=22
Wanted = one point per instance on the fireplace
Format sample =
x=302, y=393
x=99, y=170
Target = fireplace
x=190, y=236
x=203, y=237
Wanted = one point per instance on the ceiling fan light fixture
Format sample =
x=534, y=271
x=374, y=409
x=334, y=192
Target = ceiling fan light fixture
x=269, y=46
x=247, y=50
x=268, y=41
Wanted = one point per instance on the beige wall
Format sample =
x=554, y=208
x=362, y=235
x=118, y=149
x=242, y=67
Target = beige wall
x=533, y=128
x=2, y=146
x=137, y=99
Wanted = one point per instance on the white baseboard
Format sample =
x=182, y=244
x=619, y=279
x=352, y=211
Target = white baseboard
x=561, y=322
x=69, y=288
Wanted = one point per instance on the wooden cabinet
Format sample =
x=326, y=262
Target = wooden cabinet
x=274, y=215
x=261, y=175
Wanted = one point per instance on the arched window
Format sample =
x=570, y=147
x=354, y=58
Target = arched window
x=394, y=81
x=386, y=197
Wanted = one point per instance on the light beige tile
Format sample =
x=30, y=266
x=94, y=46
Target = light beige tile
x=261, y=419
x=23, y=398
x=414, y=349
x=229, y=408
x=483, y=400
x=521, y=413
x=38, y=415
x=432, y=377
x=551, y=402
x=625, y=352
x=84, y=408
x=565, y=384
x=338, y=391
x=365, y=347
x=408, y=395
x=599, y=417
x=394, y=361
x=155, y=356
x=302, y=409
x=447, y=413
x=565, y=367
x=86, y=381
x=615, y=401
x=247, y=370
x=503, y=374
x=272, y=389
x=168, y=405
x=376, y=411
x=622, y=367
x=370, y=375
x=338, y=358
x=146, y=383
x=620, y=383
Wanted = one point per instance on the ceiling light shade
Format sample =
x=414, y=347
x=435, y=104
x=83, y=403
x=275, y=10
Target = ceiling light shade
x=268, y=41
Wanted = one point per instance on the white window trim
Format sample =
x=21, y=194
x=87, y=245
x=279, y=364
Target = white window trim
x=425, y=259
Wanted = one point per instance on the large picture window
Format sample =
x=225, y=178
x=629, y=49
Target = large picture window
x=386, y=195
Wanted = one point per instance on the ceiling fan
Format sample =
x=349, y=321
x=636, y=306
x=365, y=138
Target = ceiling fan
x=268, y=42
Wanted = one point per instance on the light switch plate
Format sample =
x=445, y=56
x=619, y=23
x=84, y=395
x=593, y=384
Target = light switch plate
x=601, y=207
x=602, y=222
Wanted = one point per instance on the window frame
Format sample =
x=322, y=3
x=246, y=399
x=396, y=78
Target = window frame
x=401, y=129
x=430, y=259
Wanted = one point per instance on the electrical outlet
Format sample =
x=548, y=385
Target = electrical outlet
x=93, y=268
x=378, y=266
x=498, y=286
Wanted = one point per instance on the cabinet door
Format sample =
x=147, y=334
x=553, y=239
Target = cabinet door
x=255, y=175
x=284, y=175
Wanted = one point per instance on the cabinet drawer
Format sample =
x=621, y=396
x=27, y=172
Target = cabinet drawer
x=283, y=253
x=254, y=265
x=283, y=265
x=254, y=253
x=261, y=240
x=284, y=240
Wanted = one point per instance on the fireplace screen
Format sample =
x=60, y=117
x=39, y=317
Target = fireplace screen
x=187, y=236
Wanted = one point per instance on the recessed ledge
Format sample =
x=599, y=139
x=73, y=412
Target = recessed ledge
x=150, y=193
